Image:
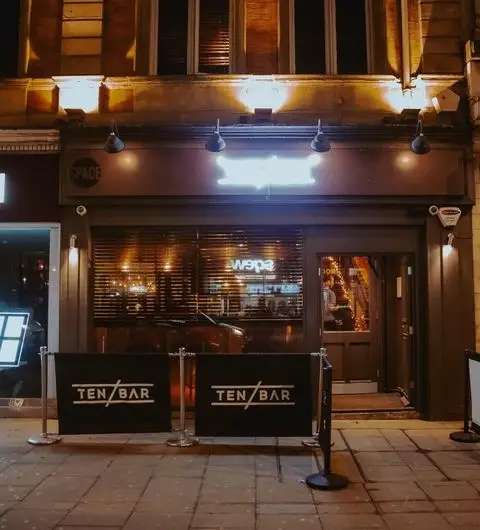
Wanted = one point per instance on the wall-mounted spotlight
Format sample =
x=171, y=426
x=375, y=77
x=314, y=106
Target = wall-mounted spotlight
x=447, y=249
x=73, y=250
x=114, y=144
x=420, y=145
x=320, y=143
x=215, y=144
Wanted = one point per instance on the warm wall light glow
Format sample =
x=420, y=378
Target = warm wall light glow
x=405, y=160
x=127, y=160
x=73, y=251
x=79, y=92
x=262, y=172
x=448, y=248
x=263, y=92
x=2, y=188
x=411, y=98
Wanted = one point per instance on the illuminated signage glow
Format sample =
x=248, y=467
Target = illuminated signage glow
x=263, y=172
x=13, y=327
x=2, y=188
x=252, y=265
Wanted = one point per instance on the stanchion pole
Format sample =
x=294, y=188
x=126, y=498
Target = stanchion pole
x=45, y=438
x=466, y=436
x=314, y=441
x=184, y=439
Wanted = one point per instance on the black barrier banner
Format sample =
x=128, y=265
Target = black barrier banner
x=106, y=393
x=253, y=395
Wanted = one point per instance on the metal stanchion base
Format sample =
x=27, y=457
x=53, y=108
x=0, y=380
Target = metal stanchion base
x=44, y=439
x=313, y=442
x=465, y=437
x=184, y=440
x=330, y=482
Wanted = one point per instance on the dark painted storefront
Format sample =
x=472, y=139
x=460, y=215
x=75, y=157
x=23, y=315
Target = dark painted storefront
x=169, y=235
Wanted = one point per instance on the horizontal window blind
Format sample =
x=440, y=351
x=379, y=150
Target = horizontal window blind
x=10, y=27
x=154, y=275
x=214, y=37
x=172, y=37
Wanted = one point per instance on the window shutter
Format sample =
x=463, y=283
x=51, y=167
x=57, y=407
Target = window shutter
x=351, y=37
x=150, y=275
x=214, y=37
x=309, y=37
x=9, y=29
x=172, y=37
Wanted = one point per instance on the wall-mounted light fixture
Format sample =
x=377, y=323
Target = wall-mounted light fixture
x=420, y=145
x=448, y=248
x=79, y=92
x=215, y=143
x=114, y=144
x=320, y=143
x=73, y=250
x=263, y=92
x=75, y=115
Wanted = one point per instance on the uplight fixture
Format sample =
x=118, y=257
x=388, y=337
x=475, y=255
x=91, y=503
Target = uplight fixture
x=447, y=249
x=215, y=144
x=420, y=145
x=114, y=144
x=320, y=143
x=73, y=250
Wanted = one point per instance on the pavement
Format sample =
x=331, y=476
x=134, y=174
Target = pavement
x=404, y=474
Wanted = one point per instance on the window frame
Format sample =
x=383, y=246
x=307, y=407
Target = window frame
x=236, y=28
x=331, y=64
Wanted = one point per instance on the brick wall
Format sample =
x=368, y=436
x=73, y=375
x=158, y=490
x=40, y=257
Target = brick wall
x=262, y=36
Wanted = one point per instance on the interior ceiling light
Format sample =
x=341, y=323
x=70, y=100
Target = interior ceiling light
x=114, y=144
x=420, y=145
x=320, y=143
x=215, y=144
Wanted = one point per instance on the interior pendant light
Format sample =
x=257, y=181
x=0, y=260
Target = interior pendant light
x=420, y=145
x=114, y=144
x=215, y=144
x=320, y=143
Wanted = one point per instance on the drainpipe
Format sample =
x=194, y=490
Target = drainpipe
x=406, y=71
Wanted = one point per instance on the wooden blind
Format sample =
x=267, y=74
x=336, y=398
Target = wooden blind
x=172, y=37
x=351, y=32
x=309, y=37
x=214, y=37
x=9, y=29
x=152, y=275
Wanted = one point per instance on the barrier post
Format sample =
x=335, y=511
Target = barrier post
x=466, y=436
x=184, y=439
x=314, y=441
x=326, y=480
x=45, y=438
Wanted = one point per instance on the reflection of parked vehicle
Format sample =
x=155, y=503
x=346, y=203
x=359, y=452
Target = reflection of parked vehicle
x=23, y=381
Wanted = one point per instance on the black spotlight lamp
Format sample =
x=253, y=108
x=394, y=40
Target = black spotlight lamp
x=114, y=144
x=420, y=145
x=320, y=143
x=215, y=143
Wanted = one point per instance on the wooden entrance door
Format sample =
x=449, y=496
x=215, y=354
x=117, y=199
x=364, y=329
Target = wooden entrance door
x=349, y=315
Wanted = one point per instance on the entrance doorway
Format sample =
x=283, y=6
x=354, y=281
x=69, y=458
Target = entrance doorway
x=367, y=327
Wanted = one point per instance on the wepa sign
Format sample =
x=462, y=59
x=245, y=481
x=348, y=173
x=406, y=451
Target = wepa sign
x=106, y=393
x=252, y=265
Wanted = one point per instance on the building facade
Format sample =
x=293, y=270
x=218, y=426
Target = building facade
x=306, y=222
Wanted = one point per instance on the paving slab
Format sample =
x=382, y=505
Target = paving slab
x=422, y=521
x=351, y=522
x=287, y=522
x=449, y=490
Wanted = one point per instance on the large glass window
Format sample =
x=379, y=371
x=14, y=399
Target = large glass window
x=346, y=293
x=24, y=287
x=209, y=289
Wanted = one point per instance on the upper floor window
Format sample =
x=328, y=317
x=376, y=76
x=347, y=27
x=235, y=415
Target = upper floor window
x=9, y=29
x=2, y=188
x=333, y=37
x=193, y=37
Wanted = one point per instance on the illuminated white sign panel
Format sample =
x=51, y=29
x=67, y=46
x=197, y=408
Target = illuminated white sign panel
x=2, y=187
x=13, y=327
x=252, y=265
x=263, y=172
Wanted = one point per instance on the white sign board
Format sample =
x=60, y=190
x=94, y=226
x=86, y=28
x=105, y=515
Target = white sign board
x=474, y=370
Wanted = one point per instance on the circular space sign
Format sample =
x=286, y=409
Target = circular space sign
x=85, y=173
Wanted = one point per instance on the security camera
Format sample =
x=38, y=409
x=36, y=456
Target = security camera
x=433, y=210
x=81, y=210
x=446, y=101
